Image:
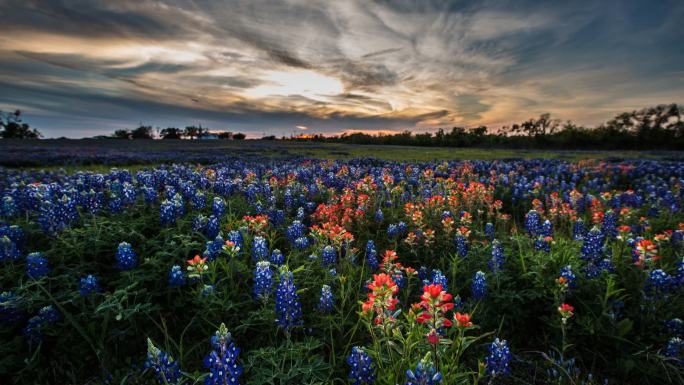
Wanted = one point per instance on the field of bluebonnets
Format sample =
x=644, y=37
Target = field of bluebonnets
x=363, y=271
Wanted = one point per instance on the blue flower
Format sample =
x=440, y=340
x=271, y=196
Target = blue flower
x=498, y=259
x=532, y=223
x=479, y=286
x=541, y=244
x=199, y=200
x=497, y=363
x=218, y=207
x=658, y=283
x=167, y=213
x=327, y=302
x=329, y=256
x=424, y=374
x=89, y=285
x=489, y=231
x=176, y=277
x=438, y=278
x=675, y=326
x=126, y=259
x=277, y=257
x=675, y=349
x=461, y=245
x=569, y=276
x=259, y=248
x=371, y=255
x=287, y=306
x=36, y=265
x=263, y=281
x=213, y=227
x=579, y=230
x=9, y=307
x=361, y=368
x=379, y=216
x=222, y=361
x=165, y=368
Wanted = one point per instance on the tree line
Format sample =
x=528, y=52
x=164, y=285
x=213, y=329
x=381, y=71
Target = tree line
x=189, y=132
x=659, y=127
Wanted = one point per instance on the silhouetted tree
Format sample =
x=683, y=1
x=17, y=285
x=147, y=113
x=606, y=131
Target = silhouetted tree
x=225, y=135
x=142, y=132
x=171, y=133
x=193, y=132
x=122, y=134
x=12, y=127
x=239, y=136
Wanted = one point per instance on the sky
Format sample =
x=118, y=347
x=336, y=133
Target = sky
x=85, y=68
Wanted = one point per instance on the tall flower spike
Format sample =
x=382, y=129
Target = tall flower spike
x=222, y=361
x=126, y=259
x=361, y=368
x=263, y=281
x=497, y=362
x=327, y=302
x=479, y=286
x=165, y=368
x=287, y=305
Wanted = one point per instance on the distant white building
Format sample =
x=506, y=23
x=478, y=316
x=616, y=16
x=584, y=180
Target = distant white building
x=208, y=136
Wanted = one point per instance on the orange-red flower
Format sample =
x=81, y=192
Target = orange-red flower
x=462, y=320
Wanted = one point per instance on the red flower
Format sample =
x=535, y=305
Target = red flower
x=462, y=320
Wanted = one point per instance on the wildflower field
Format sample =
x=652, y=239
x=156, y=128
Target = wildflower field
x=297, y=270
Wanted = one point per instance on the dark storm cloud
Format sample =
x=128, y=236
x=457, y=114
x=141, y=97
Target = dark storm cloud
x=83, y=67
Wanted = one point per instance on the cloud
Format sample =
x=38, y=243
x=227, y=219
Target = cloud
x=84, y=66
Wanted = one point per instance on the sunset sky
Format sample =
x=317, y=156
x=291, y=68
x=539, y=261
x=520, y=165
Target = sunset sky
x=83, y=68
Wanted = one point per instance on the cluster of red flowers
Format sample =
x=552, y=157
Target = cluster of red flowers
x=645, y=251
x=381, y=300
x=256, y=224
x=433, y=306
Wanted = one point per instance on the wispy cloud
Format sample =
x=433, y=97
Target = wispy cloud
x=86, y=67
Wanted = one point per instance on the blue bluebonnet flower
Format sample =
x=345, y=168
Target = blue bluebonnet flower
x=371, y=255
x=361, y=367
x=379, y=216
x=329, y=256
x=327, y=302
x=497, y=363
x=199, y=223
x=33, y=331
x=9, y=307
x=222, y=363
x=461, y=245
x=89, y=285
x=423, y=274
x=675, y=350
x=295, y=230
x=199, y=200
x=263, y=281
x=218, y=207
x=9, y=207
x=176, y=276
x=675, y=326
x=579, y=230
x=658, y=283
x=277, y=257
x=333, y=272
x=609, y=225
x=36, y=265
x=167, y=213
x=547, y=229
x=438, y=278
x=178, y=206
x=259, y=248
x=498, y=259
x=593, y=252
x=213, y=227
x=301, y=243
x=532, y=223
x=424, y=374
x=115, y=204
x=287, y=306
x=568, y=276
x=165, y=368
x=212, y=249
x=479, y=286
x=150, y=195
x=399, y=278
x=392, y=231
x=489, y=231
x=236, y=237
x=541, y=244
x=126, y=259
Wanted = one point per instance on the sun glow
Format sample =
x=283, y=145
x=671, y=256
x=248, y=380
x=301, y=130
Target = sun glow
x=309, y=84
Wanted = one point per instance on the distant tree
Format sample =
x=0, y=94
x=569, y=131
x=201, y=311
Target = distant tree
x=268, y=137
x=225, y=135
x=142, y=132
x=122, y=134
x=239, y=136
x=194, y=132
x=171, y=133
x=12, y=127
